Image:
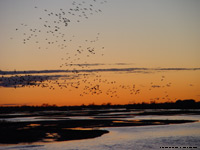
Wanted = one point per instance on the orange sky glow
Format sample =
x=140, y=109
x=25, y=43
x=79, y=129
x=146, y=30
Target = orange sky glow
x=78, y=52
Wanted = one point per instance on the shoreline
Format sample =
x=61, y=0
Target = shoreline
x=53, y=126
x=67, y=130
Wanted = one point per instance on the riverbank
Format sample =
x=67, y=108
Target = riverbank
x=65, y=130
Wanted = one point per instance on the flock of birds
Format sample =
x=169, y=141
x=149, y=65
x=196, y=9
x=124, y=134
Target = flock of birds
x=55, y=24
x=54, y=27
x=88, y=84
x=52, y=33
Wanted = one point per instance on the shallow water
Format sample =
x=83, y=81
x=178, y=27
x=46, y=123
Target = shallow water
x=131, y=138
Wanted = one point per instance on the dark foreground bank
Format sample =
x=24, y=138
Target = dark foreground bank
x=27, y=124
x=64, y=130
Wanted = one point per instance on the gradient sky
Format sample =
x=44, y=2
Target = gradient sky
x=138, y=33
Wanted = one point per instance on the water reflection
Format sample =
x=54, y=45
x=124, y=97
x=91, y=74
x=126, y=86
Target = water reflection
x=130, y=138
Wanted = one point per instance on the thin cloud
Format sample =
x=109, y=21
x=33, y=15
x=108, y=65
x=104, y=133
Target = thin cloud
x=136, y=70
x=33, y=78
x=177, y=69
x=121, y=64
x=100, y=64
x=9, y=104
x=97, y=64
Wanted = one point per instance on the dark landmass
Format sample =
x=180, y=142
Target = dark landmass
x=21, y=132
x=171, y=112
x=179, y=104
x=51, y=123
x=47, y=131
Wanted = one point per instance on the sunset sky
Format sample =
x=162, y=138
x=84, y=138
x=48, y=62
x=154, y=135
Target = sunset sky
x=99, y=51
